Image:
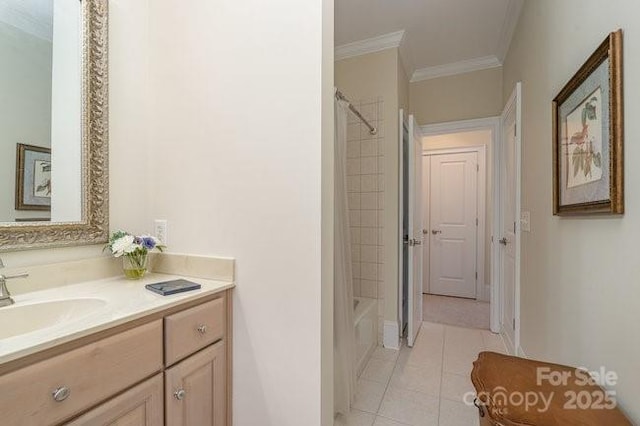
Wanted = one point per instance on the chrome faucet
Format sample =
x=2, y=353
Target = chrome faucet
x=5, y=296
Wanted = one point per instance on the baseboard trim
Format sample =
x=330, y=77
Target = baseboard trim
x=391, y=336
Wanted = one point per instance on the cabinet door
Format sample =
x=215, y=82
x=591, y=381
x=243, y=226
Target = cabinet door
x=195, y=389
x=139, y=406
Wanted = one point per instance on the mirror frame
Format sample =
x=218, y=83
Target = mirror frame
x=94, y=226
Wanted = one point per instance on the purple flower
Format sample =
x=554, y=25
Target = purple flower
x=138, y=240
x=149, y=243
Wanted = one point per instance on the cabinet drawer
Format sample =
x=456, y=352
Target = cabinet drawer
x=191, y=330
x=143, y=405
x=91, y=374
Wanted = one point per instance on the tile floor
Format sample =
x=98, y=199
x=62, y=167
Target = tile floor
x=423, y=385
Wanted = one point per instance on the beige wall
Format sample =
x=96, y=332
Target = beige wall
x=463, y=140
x=404, y=88
x=369, y=77
x=236, y=150
x=476, y=94
x=580, y=294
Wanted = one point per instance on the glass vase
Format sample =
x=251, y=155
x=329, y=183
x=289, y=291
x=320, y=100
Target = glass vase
x=135, y=265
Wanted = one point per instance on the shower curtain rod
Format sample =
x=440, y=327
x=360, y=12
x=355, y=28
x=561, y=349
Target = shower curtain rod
x=353, y=109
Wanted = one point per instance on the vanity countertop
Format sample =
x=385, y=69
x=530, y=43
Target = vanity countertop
x=118, y=301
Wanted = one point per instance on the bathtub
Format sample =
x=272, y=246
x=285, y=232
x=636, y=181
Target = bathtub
x=366, y=325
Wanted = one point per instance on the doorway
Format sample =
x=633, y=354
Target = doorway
x=458, y=181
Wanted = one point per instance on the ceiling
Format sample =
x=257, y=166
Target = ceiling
x=31, y=16
x=437, y=32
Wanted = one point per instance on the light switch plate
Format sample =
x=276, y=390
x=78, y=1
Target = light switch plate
x=525, y=221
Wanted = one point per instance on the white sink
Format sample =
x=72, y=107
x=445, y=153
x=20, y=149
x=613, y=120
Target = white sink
x=26, y=318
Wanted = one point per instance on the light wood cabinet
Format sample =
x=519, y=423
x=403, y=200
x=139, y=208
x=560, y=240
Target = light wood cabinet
x=195, y=389
x=139, y=406
x=81, y=377
x=172, y=368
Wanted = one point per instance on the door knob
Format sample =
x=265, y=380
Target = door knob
x=436, y=232
x=180, y=394
x=61, y=393
x=504, y=241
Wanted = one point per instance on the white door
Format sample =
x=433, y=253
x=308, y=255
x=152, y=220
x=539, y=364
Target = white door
x=403, y=227
x=426, y=221
x=509, y=214
x=415, y=231
x=454, y=222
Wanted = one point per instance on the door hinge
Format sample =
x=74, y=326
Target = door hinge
x=514, y=227
x=477, y=167
x=476, y=221
x=514, y=324
x=476, y=275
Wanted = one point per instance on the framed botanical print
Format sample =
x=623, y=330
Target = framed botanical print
x=33, y=178
x=588, y=136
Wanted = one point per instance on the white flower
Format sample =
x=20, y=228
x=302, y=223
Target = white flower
x=122, y=245
x=132, y=248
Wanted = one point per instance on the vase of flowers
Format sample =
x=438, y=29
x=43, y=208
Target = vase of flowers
x=134, y=251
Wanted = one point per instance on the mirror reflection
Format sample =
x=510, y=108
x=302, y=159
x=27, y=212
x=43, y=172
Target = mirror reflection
x=40, y=111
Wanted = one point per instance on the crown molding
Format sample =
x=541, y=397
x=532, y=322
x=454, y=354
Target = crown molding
x=400, y=41
x=455, y=68
x=369, y=45
x=509, y=27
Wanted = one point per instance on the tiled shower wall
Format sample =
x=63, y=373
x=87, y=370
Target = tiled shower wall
x=365, y=182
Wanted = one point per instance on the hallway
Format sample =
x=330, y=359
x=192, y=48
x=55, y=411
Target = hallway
x=424, y=385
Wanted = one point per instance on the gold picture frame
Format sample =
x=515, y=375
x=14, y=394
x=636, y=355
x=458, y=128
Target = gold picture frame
x=588, y=136
x=27, y=159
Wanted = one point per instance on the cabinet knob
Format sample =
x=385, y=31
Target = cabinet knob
x=202, y=329
x=180, y=394
x=61, y=393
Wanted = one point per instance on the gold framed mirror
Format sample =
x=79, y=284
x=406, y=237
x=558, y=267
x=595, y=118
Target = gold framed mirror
x=87, y=39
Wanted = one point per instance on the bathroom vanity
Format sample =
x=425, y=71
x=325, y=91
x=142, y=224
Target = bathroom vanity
x=116, y=353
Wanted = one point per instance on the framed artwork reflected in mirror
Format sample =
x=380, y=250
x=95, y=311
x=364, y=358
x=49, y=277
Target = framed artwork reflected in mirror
x=33, y=177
